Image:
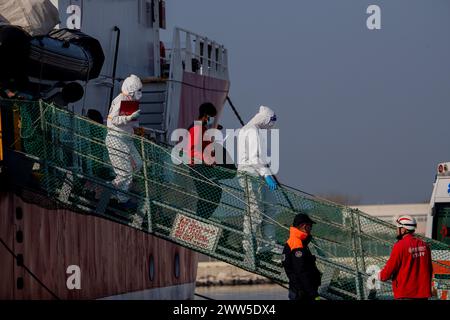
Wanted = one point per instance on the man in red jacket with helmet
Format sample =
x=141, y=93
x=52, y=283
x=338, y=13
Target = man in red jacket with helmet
x=409, y=265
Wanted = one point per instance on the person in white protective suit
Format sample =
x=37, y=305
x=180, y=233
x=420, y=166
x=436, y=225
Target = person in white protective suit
x=123, y=155
x=252, y=163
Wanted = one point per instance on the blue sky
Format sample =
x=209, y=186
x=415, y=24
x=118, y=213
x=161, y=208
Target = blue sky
x=361, y=113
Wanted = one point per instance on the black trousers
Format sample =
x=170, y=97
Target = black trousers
x=299, y=296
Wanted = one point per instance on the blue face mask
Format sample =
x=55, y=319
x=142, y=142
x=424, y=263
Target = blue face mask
x=272, y=122
x=210, y=122
x=137, y=95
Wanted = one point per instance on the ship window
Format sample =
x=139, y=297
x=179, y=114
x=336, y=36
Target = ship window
x=441, y=222
x=151, y=268
x=177, y=265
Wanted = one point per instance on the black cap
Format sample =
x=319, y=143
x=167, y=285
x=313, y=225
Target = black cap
x=302, y=218
x=208, y=109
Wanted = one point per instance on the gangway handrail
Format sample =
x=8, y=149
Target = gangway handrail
x=71, y=151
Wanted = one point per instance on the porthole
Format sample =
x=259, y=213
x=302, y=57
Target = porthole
x=19, y=283
x=19, y=236
x=19, y=260
x=19, y=213
x=177, y=265
x=151, y=268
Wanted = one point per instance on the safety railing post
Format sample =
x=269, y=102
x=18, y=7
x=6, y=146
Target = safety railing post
x=75, y=144
x=188, y=53
x=53, y=136
x=361, y=246
x=249, y=236
x=86, y=146
x=358, y=275
x=143, y=210
x=146, y=208
x=44, y=146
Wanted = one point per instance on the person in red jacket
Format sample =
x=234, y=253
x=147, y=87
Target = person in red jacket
x=197, y=142
x=201, y=163
x=409, y=265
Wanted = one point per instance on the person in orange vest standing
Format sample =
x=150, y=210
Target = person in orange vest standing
x=299, y=263
x=409, y=265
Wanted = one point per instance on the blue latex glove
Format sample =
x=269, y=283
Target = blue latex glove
x=134, y=115
x=271, y=182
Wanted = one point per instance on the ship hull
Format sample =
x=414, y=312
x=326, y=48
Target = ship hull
x=48, y=253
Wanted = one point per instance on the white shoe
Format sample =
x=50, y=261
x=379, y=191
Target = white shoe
x=137, y=221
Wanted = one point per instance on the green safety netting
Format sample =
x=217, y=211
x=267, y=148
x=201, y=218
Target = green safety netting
x=214, y=210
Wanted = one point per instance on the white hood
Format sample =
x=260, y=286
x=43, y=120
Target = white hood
x=131, y=84
x=252, y=145
x=37, y=17
x=262, y=118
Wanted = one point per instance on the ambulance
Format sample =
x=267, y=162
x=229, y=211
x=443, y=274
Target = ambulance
x=438, y=228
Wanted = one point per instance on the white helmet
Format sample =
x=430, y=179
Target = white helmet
x=407, y=222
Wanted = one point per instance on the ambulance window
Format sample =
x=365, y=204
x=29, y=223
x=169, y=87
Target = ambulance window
x=441, y=223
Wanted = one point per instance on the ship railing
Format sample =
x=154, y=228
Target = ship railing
x=230, y=216
x=198, y=54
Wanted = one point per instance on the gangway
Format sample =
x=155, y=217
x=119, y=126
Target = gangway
x=63, y=156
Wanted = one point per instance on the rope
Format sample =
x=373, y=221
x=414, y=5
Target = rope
x=197, y=87
x=33, y=125
x=235, y=111
x=204, y=297
x=29, y=271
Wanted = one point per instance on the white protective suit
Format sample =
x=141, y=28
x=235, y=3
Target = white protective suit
x=122, y=152
x=251, y=161
x=251, y=153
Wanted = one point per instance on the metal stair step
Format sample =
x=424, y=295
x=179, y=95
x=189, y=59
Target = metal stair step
x=151, y=107
x=153, y=96
x=150, y=119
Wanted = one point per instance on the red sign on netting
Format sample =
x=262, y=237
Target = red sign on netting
x=195, y=233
